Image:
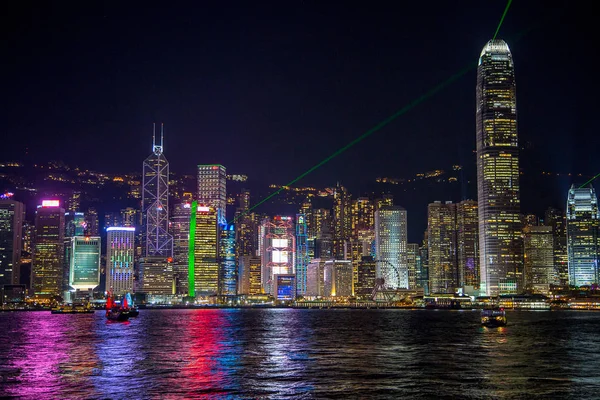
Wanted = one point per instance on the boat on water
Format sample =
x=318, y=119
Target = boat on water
x=73, y=308
x=133, y=310
x=493, y=317
x=115, y=311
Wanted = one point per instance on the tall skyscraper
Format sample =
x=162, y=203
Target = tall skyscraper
x=203, y=258
x=441, y=233
x=467, y=240
x=500, y=243
x=583, y=243
x=363, y=215
x=11, y=224
x=302, y=258
x=413, y=258
x=538, y=268
x=342, y=221
x=120, y=248
x=92, y=226
x=390, y=245
x=155, y=203
x=180, y=229
x=227, y=268
x=556, y=219
x=84, y=273
x=277, y=250
x=48, y=250
x=212, y=188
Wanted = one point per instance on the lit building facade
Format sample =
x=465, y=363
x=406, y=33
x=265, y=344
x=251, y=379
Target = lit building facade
x=342, y=221
x=277, y=250
x=390, y=244
x=338, y=280
x=84, y=273
x=363, y=215
x=157, y=277
x=212, y=188
x=315, y=278
x=155, y=204
x=441, y=233
x=412, y=261
x=301, y=253
x=583, y=224
x=180, y=229
x=538, y=268
x=500, y=242
x=120, y=251
x=203, y=257
x=227, y=267
x=284, y=287
x=12, y=214
x=48, y=250
x=366, y=277
x=557, y=220
x=467, y=241
x=249, y=274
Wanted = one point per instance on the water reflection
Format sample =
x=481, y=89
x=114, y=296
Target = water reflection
x=286, y=353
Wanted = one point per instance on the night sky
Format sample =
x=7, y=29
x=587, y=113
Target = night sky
x=269, y=90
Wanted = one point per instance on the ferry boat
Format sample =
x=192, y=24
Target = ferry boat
x=114, y=311
x=77, y=308
x=493, y=317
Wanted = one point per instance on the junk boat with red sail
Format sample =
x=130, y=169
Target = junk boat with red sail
x=116, y=311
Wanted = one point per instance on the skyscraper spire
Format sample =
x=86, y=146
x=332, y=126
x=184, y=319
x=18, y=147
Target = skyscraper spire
x=157, y=149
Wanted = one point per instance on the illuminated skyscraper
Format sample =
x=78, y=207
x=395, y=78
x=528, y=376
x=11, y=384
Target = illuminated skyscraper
x=315, y=278
x=338, y=278
x=366, y=277
x=155, y=203
x=467, y=241
x=301, y=253
x=441, y=233
x=84, y=273
x=390, y=245
x=212, y=188
x=556, y=219
x=538, y=268
x=180, y=229
x=12, y=214
x=48, y=250
x=277, y=250
x=249, y=275
x=342, y=221
x=92, y=226
x=412, y=261
x=227, y=268
x=120, y=244
x=129, y=217
x=203, y=259
x=363, y=215
x=500, y=243
x=583, y=225
x=157, y=279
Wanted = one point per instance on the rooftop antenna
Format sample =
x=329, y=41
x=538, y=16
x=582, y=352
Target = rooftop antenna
x=153, y=135
x=162, y=132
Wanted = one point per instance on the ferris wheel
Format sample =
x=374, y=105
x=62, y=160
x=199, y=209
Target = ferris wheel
x=387, y=281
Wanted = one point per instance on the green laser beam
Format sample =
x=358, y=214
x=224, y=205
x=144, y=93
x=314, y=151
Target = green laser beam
x=590, y=181
x=379, y=126
x=368, y=133
x=502, y=18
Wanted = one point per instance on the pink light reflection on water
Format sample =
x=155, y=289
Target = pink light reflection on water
x=53, y=358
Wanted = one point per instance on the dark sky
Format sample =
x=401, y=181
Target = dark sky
x=270, y=89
